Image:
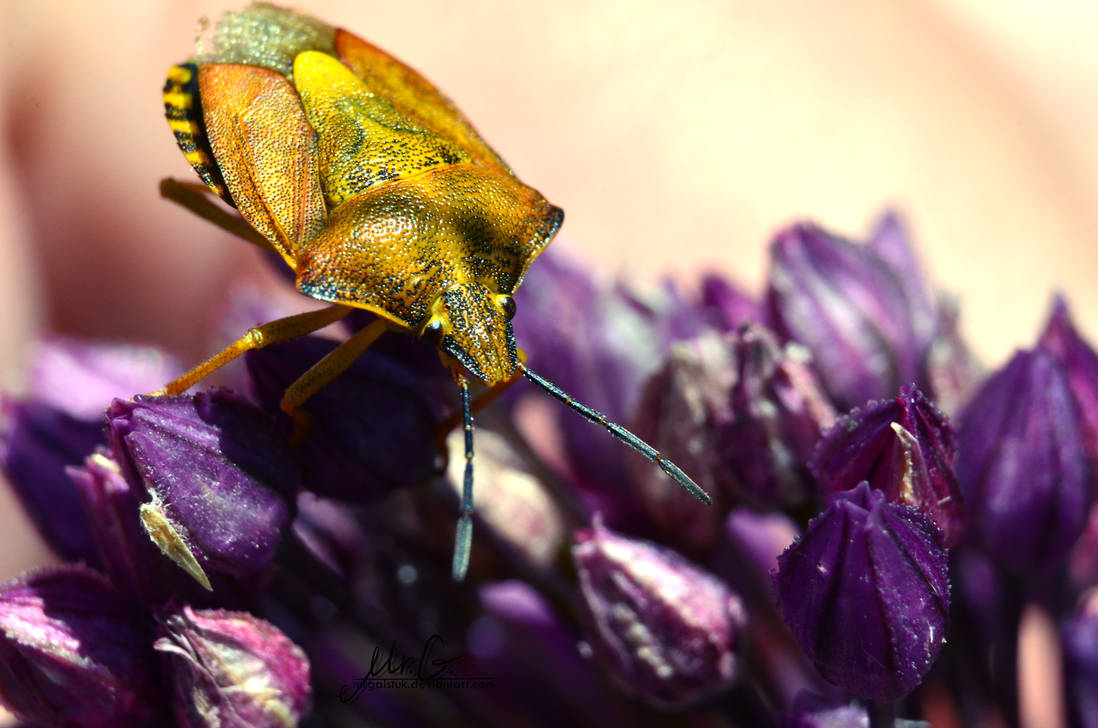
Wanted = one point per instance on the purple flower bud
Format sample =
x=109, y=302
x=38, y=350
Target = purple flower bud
x=777, y=413
x=329, y=532
x=73, y=652
x=727, y=304
x=951, y=371
x=891, y=241
x=905, y=448
x=848, y=306
x=232, y=670
x=37, y=443
x=679, y=413
x=761, y=537
x=61, y=422
x=866, y=593
x=135, y=565
x=600, y=344
x=664, y=628
x=1080, y=362
x=372, y=429
x=218, y=476
x=520, y=639
x=510, y=500
x=1023, y=463
x=1079, y=636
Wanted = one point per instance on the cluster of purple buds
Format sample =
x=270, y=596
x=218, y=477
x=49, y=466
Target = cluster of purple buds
x=883, y=514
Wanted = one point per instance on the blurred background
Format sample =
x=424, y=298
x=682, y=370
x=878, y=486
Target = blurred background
x=676, y=141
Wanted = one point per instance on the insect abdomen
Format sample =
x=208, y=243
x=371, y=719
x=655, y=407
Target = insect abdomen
x=183, y=109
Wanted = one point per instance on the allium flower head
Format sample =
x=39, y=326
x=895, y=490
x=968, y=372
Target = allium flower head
x=866, y=593
x=665, y=628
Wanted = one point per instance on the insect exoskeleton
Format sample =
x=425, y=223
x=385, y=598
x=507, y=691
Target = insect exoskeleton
x=378, y=193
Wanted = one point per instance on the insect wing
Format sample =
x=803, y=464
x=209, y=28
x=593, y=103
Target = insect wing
x=413, y=96
x=363, y=140
x=266, y=151
x=395, y=248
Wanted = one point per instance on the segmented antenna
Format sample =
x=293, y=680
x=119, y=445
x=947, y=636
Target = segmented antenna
x=614, y=429
x=463, y=539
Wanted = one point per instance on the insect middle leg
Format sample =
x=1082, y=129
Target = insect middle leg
x=324, y=371
x=266, y=334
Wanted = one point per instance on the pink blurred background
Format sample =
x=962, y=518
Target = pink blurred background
x=675, y=140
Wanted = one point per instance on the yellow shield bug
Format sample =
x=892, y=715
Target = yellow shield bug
x=377, y=192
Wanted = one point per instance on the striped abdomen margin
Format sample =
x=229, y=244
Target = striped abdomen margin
x=183, y=109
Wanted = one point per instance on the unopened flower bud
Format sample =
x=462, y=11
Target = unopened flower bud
x=1023, y=463
x=371, y=430
x=848, y=306
x=60, y=422
x=904, y=447
x=73, y=652
x=866, y=593
x=1080, y=363
x=218, y=475
x=664, y=628
x=727, y=305
x=232, y=670
x=777, y=411
x=680, y=411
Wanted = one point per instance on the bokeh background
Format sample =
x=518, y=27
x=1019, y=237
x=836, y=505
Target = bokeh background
x=676, y=137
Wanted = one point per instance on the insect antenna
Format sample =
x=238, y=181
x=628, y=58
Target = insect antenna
x=463, y=539
x=617, y=431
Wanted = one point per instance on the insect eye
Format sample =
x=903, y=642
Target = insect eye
x=508, y=305
x=433, y=331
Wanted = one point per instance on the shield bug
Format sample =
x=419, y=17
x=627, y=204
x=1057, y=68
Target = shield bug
x=379, y=195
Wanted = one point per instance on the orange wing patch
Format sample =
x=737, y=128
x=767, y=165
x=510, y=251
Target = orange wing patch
x=413, y=96
x=395, y=248
x=266, y=150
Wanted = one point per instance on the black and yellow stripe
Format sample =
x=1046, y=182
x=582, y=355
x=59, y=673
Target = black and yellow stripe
x=183, y=109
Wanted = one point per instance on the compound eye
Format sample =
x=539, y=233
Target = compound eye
x=508, y=305
x=433, y=332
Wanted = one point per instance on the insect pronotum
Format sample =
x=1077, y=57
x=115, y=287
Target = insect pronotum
x=379, y=195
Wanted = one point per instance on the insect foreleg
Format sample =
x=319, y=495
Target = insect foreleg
x=266, y=334
x=479, y=402
x=196, y=198
x=324, y=371
x=463, y=539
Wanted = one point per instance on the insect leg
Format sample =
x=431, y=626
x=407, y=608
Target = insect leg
x=463, y=539
x=621, y=434
x=273, y=332
x=196, y=198
x=324, y=371
x=480, y=401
